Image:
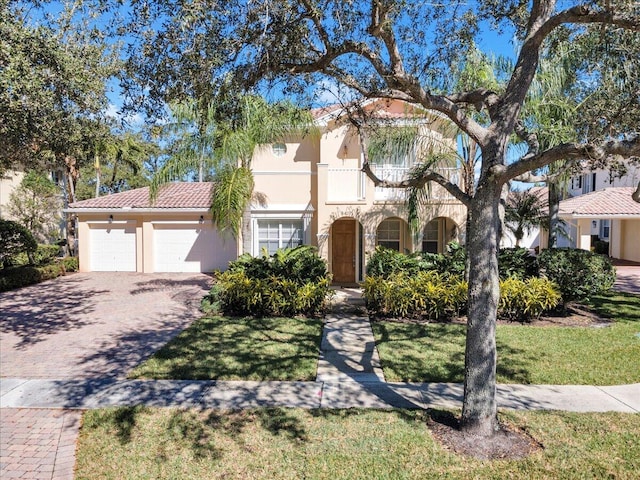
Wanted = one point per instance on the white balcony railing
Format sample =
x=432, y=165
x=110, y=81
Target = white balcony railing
x=349, y=184
x=396, y=174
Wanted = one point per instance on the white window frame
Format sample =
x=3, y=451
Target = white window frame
x=305, y=218
x=382, y=229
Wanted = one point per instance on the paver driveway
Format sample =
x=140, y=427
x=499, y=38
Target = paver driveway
x=93, y=324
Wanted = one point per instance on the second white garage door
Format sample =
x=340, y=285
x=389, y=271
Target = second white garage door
x=190, y=249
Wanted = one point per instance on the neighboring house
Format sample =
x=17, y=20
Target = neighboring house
x=599, y=208
x=9, y=181
x=313, y=192
x=608, y=215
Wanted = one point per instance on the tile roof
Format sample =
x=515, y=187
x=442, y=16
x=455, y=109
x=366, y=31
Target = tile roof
x=171, y=195
x=607, y=202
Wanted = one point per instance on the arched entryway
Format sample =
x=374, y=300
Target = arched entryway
x=438, y=233
x=346, y=251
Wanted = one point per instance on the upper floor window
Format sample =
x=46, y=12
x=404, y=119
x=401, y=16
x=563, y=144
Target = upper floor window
x=576, y=182
x=389, y=234
x=279, y=149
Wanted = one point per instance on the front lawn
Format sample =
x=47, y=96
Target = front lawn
x=278, y=443
x=221, y=348
x=526, y=354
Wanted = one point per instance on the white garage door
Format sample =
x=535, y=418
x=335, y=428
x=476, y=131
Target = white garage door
x=113, y=248
x=190, y=248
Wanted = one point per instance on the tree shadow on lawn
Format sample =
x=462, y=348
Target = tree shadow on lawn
x=618, y=305
x=195, y=430
x=245, y=348
x=446, y=343
x=36, y=312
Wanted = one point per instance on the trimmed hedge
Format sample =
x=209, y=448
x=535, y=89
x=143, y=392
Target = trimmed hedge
x=16, y=277
x=290, y=282
x=579, y=274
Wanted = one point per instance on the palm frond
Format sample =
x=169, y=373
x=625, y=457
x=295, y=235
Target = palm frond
x=231, y=197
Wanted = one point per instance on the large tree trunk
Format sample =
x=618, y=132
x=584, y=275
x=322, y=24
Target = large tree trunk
x=479, y=412
x=554, y=207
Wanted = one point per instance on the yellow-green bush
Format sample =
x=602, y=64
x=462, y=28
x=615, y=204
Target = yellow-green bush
x=525, y=300
x=432, y=296
x=423, y=295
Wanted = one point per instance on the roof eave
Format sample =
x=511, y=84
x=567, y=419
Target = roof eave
x=136, y=210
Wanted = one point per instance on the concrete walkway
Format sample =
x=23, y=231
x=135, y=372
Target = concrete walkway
x=40, y=416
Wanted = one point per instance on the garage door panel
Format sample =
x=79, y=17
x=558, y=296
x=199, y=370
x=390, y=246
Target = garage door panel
x=113, y=249
x=190, y=249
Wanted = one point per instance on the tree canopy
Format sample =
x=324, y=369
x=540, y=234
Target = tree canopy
x=407, y=50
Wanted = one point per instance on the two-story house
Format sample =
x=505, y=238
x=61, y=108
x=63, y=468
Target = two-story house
x=312, y=191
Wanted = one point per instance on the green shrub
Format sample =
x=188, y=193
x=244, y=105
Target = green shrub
x=526, y=300
x=43, y=255
x=516, y=262
x=601, y=247
x=70, y=264
x=423, y=295
x=579, y=274
x=385, y=262
x=289, y=282
x=16, y=277
x=454, y=262
x=14, y=240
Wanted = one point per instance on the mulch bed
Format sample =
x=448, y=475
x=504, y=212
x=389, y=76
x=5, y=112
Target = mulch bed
x=509, y=443
x=576, y=316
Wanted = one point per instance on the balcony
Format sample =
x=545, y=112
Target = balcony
x=396, y=174
x=346, y=185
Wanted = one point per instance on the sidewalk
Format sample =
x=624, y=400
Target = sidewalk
x=341, y=393
x=41, y=417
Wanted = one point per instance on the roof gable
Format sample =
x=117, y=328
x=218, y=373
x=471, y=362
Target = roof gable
x=613, y=201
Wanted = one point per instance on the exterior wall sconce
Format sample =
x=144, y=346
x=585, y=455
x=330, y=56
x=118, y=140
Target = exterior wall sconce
x=201, y=219
x=110, y=218
x=594, y=224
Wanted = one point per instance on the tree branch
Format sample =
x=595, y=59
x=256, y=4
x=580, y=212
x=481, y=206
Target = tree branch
x=626, y=148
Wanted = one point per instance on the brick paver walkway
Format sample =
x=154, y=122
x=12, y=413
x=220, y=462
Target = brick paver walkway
x=96, y=325
x=38, y=443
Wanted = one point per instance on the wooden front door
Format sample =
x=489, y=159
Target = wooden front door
x=343, y=248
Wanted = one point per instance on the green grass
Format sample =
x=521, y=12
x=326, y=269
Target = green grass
x=526, y=354
x=220, y=348
x=277, y=443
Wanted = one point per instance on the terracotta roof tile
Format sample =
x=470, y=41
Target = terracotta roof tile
x=171, y=195
x=609, y=201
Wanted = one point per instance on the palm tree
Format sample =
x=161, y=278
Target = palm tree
x=524, y=211
x=226, y=140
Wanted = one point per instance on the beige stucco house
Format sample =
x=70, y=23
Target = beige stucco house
x=9, y=181
x=312, y=191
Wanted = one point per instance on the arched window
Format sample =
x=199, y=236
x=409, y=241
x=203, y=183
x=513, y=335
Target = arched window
x=389, y=234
